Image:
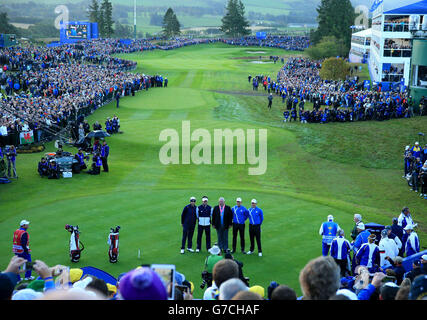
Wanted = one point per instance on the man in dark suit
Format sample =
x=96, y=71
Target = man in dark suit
x=188, y=222
x=222, y=220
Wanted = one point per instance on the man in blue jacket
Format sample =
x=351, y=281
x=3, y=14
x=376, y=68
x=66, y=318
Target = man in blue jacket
x=240, y=214
x=361, y=238
x=256, y=217
x=105, y=152
x=188, y=222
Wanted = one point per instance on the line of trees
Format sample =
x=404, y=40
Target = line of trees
x=102, y=13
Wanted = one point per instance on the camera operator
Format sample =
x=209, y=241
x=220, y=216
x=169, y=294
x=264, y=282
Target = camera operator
x=211, y=260
x=96, y=165
x=240, y=265
x=80, y=165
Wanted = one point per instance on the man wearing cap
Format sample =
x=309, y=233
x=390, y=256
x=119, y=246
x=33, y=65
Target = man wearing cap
x=222, y=220
x=204, y=215
x=240, y=214
x=404, y=219
x=340, y=251
x=256, y=217
x=329, y=231
x=188, y=222
x=21, y=246
x=412, y=245
x=388, y=248
x=416, y=270
x=357, y=219
x=369, y=255
x=419, y=288
x=416, y=150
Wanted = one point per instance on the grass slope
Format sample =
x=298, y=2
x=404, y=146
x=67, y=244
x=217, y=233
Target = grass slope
x=313, y=171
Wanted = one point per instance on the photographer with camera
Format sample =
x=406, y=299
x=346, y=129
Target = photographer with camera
x=21, y=246
x=211, y=260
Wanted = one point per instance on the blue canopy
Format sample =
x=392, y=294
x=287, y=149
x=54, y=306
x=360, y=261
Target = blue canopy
x=415, y=8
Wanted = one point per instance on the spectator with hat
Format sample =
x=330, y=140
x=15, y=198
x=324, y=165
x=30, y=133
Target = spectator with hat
x=142, y=284
x=188, y=223
x=328, y=231
x=419, y=288
x=21, y=246
x=210, y=261
x=416, y=270
x=256, y=218
x=412, y=245
x=240, y=214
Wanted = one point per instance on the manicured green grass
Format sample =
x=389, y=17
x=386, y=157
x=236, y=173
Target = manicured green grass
x=313, y=170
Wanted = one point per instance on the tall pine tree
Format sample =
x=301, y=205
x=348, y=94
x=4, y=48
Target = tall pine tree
x=106, y=19
x=335, y=18
x=93, y=11
x=171, y=25
x=234, y=23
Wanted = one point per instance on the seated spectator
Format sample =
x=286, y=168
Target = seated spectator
x=223, y=270
x=230, y=288
x=320, y=279
x=43, y=168
x=283, y=292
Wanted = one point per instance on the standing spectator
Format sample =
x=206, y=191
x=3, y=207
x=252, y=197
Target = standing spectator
x=11, y=161
x=256, y=218
x=270, y=100
x=328, y=230
x=222, y=220
x=240, y=214
x=188, y=222
x=416, y=150
x=412, y=245
x=424, y=263
x=406, y=161
x=368, y=255
x=423, y=180
x=419, y=288
x=117, y=99
x=105, y=152
x=21, y=246
x=319, y=279
x=357, y=219
x=404, y=219
x=396, y=233
x=204, y=215
x=340, y=251
x=416, y=167
x=388, y=248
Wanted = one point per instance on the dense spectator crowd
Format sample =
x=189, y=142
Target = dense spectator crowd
x=415, y=168
x=298, y=82
x=46, y=88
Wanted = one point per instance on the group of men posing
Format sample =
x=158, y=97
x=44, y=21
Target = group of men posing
x=221, y=217
x=396, y=241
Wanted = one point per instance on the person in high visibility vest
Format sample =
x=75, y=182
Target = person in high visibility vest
x=21, y=246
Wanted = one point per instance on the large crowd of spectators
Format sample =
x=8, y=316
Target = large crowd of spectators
x=298, y=82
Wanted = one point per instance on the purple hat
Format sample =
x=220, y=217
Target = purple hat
x=142, y=284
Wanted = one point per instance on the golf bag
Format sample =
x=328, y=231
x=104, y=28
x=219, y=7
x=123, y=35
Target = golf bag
x=113, y=242
x=75, y=249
